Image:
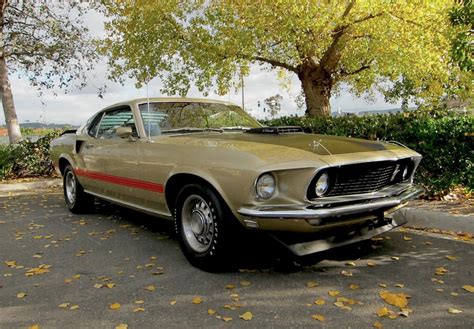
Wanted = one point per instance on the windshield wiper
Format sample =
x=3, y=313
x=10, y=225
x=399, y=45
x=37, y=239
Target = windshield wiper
x=190, y=130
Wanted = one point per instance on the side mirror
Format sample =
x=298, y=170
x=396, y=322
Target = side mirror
x=124, y=132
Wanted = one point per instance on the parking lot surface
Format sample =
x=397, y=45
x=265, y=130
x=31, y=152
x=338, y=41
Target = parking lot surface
x=118, y=268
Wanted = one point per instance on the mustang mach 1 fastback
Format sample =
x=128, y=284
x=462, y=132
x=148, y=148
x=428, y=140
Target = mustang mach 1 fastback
x=214, y=170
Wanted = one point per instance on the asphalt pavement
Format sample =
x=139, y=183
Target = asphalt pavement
x=114, y=266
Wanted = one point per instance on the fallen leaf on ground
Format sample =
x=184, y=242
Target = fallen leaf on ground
x=343, y=306
x=346, y=273
x=441, y=271
x=197, y=300
x=399, y=300
x=226, y=318
x=395, y=258
x=383, y=311
x=34, y=326
x=454, y=310
x=383, y=285
x=399, y=285
x=406, y=238
x=230, y=286
x=150, y=288
x=377, y=325
x=354, y=286
x=114, y=306
x=455, y=294
x=21, y=295
x=138, y=309
x=320, y=301
x=350, y=264
x=98, y=285
x=139, y=302
x=245, y=283
x=110, y=285
x=173, y=302
x=468, y=288
x=333, y=293
x=371, y=264
x=318, y=317
x=64, y=305
x=451, y=257
x=74, y=307
x=311, y=284
x=122, y=326
x=247, y=316
x=211, y=311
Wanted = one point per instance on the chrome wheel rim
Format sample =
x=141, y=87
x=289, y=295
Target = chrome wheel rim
x=70, y=186
x=198, y=223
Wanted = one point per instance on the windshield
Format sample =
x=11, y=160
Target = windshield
x=187, y=117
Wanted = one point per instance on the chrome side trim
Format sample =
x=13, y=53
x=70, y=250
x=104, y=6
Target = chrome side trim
x=305, y=212
x=131, y=205
x=306, y=248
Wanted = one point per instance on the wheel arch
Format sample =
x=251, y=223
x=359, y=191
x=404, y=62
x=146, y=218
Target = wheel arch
x=63, y=161
x=178, y=180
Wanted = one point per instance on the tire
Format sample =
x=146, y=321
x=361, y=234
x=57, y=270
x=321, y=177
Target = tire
x=77, y=201
x=204, y=226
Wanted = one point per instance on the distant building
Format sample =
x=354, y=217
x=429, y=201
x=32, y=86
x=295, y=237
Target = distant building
x=3, y=132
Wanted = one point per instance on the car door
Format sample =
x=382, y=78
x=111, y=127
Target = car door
x=116, y=155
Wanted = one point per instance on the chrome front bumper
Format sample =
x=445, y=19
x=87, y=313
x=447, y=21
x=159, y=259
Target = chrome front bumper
x=315, y=217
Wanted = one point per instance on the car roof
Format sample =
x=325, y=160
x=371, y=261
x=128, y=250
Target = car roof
x=166, y=100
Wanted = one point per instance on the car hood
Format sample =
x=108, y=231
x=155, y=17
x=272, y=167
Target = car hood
x=318, y=144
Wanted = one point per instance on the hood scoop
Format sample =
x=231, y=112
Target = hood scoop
x=275, y=130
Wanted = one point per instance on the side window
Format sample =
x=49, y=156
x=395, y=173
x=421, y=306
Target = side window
x=94, y=124
x=122, y=117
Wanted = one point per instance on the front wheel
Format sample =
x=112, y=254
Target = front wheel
x=77, y=200
x=203, y=224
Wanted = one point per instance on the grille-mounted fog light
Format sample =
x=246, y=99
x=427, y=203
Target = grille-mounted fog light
x=265, y=186
x=322, y=185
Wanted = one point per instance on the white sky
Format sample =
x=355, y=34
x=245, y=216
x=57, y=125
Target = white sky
x=76, y=107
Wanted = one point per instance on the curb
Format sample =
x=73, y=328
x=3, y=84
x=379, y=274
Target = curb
x=435, y=219
x=39, y=184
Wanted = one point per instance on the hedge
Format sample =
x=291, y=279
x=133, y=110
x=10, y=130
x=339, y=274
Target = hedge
x=27, y=158
x=445, y=139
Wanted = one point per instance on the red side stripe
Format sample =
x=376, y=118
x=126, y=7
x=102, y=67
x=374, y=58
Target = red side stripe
x=135, y=183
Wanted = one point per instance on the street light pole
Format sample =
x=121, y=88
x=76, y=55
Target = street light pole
x=243, y=95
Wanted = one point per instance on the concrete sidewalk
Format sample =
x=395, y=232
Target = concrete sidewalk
x=415, y=217
x=422, y=218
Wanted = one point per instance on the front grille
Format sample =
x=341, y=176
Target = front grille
x=364, y=177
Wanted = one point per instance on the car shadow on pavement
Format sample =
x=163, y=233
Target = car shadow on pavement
x=260, y=252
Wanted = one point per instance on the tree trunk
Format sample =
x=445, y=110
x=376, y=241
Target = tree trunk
x=317, y=90
x=13, y=127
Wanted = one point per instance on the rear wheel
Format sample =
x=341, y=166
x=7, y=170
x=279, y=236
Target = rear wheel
x=76, y=199
x=203, y=224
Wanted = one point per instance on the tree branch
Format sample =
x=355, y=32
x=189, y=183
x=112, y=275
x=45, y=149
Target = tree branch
x=275, y=63
x=345, y=73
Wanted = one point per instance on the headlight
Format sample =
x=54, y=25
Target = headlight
x=265, y=186
x=322, y=185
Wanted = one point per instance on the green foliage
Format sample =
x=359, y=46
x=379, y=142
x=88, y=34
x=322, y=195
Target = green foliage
x=48, y=44
x=462, y=48
x=27, y=159
x=364, y=45
x=445, y=140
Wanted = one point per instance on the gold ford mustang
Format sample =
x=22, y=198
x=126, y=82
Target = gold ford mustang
x=213, y=169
